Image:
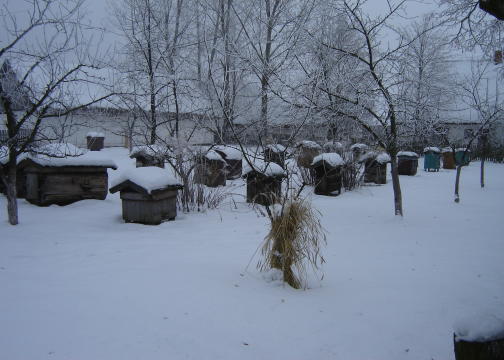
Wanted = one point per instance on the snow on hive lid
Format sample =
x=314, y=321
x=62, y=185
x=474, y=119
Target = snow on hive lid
x=231, y=153
x=332, y=159
x=480, y=328
x=277, y=148
x=149, y=178
x=462, y=149
x=63, y=154
x=383, y=158
x=262, y=167
x=407, y=153
x=432, y=149
x=155, y=151
x=309, y=144
x=95, y=134
x=446, y=149
x=213, y=155
x=358, y=146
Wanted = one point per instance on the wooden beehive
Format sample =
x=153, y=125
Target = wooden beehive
x=233, y=158
x=148, y=197
x=62, y=185
x=448, y=158
x=264, y=182
x=375, y=167
x=328, y=174
x=307, y=150
x=407, y=163
x=95, y=141
x=149, y=155
x=275, y=153
x=210, y=170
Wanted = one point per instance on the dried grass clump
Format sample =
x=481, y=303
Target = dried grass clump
x=294, y=242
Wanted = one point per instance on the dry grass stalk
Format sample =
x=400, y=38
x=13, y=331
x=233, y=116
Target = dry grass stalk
x=294, y=242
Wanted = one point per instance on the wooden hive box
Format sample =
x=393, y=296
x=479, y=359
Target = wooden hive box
x=448, y=158
x=233, y=158
x=328, y=176
x=264, y=182
x=149, y=155
x=407, y=163
x=375, y=167
x=275, y=153
x=148, y=194
x=95, y=141
x=210, y=170
x=61, y=174
x=307, y=150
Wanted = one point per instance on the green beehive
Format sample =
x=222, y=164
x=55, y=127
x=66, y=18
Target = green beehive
x=462, y=157
x=432, y=159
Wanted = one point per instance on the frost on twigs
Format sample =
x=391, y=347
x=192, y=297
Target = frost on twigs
x=293, y=244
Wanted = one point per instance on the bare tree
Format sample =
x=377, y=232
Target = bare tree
x=272, y=29
x=427, y=83
x=475, y=27
x=488, y=113
x=51, y=61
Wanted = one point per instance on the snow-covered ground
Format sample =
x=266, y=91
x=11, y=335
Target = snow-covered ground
x=78, y=283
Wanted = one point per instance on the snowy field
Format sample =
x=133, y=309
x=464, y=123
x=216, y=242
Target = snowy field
x=79, y=284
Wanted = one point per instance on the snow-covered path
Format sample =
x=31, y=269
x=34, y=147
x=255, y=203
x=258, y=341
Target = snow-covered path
x=78, y=283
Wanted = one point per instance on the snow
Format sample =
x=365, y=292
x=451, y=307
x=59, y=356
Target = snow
x=232, y=153
x=407, y=153
x=432, y=148
x=383, y=158
x=480, y=327
x=277, y=148
x=150, y=178
x=462, y=149
x=59, y=150
x=64, y=154
x=149, y=150
x=358, y=146
x=213, y=155
x=79, y=283
x=446, y=149
x=260, y=166
x=95, y=134
x=332, y=159
x=309, y=144
x=333, y=144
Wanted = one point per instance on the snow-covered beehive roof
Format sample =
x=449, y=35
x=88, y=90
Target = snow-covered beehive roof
x=462, y=149
x=432, y=149
x=214, y=156
x=231, y=153
x=309, y=144
x=145, y=179
x=270, y=169
x=63, y=154
x=446, y=149
x=95, y=134
x=358, y=146
x=277, y=148
x=480, y=328
x=407, y=153
x=331, y=159
x=381, y=157
x=155, y=151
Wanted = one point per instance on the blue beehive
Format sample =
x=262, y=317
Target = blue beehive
x=432, y=159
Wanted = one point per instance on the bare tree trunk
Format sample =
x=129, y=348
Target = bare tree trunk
x=11, y=190
x=457, y=181
x=482, y=172
x=264, y=107
x=396, y=185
